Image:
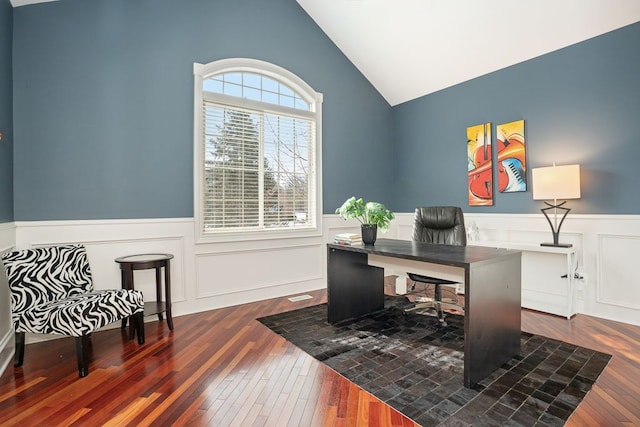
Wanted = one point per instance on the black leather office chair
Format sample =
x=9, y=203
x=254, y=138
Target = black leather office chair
x=442, y=225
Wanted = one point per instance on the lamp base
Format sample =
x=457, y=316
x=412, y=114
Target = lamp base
x=556, y=230
x=557, y=245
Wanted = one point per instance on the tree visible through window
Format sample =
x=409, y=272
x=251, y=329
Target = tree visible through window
x=258, y=149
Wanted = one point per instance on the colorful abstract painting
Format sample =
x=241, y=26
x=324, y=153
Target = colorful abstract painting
x=480, y=166
x=512, y=166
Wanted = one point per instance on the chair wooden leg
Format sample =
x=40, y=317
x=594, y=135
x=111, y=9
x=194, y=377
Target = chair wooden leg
x=133, y=326
x=81, y=353
x=139, y=320
x=19, y=351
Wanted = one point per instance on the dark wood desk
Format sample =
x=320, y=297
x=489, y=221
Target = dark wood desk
x=491, y=280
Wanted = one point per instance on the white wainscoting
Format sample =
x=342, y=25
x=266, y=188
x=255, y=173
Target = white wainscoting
x=214, y=275
x=234, y=276
x=107, y=240
x=203, y=276
x=607, y=252
x=7, y=345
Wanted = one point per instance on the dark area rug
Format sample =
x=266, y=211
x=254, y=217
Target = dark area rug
x=416, y=366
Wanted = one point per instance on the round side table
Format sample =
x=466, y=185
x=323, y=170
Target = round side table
x=130, y=263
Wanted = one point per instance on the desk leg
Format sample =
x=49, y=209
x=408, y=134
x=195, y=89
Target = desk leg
x=353, y=287
x=167, y=293
x=492, y=318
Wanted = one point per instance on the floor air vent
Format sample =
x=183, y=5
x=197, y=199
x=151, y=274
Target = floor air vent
x=299, y=298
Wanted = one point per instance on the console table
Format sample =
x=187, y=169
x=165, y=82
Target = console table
x=534, y=294
x=130, y=263
x=491, y=277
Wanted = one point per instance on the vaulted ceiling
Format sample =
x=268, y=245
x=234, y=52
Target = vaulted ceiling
x=410, y=48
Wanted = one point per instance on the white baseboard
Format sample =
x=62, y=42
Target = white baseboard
x=7, y=348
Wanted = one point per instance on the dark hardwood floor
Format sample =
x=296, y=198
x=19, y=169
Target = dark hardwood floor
x=222, y=367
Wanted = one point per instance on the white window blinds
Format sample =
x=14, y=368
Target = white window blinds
x=257, y=169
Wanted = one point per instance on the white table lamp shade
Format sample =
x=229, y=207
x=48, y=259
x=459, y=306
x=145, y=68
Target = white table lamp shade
x=556, y=182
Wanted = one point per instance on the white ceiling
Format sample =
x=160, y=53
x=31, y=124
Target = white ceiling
x=410, y=48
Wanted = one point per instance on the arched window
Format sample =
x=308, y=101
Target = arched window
x=257, y=151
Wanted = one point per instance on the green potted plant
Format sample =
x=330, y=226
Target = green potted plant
x=371, y=215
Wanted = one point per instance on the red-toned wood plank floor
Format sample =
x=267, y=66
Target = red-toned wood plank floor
x=224, y=368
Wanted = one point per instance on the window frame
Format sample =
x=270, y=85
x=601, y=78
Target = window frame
x=314, y=99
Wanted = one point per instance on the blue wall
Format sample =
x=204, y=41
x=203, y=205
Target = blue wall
x=103, y=95
x=580, y=104
x=103, y=111
x=6, y=113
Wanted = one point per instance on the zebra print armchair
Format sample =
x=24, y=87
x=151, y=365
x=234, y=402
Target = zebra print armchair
x=52, y=293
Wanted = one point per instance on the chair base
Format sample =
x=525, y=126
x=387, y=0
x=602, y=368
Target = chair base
x=438, y=304
x=429, y=305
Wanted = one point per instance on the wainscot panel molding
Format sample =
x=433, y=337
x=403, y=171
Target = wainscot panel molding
x=257, y=269
x=7, y=345
x=617, y=269
x=606, y=247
